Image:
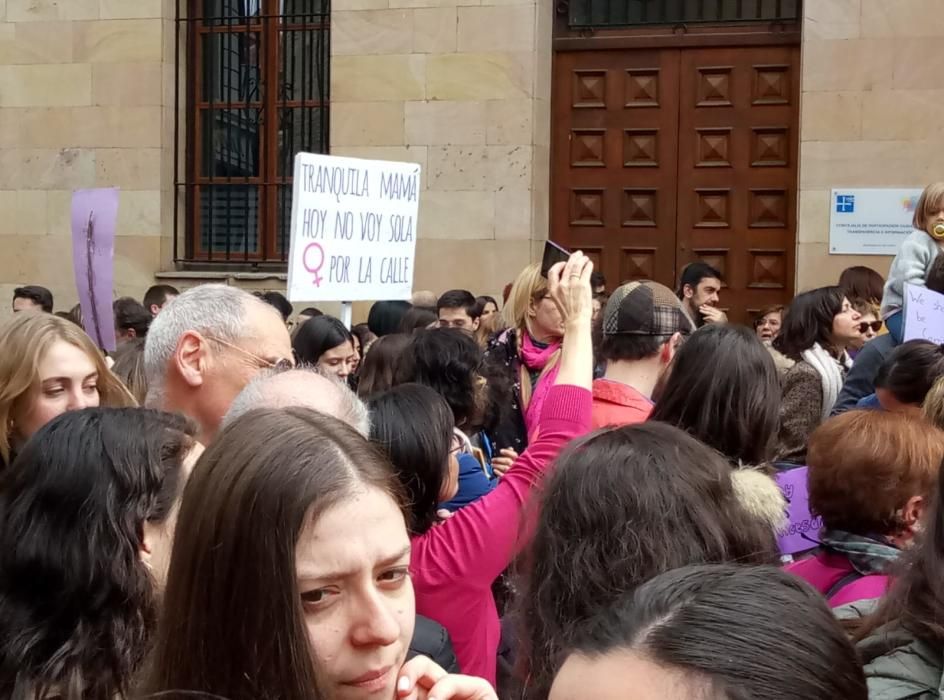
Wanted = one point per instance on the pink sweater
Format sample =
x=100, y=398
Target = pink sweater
x=455, y=563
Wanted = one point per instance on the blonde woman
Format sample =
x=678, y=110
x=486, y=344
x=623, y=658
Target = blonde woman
x=524, y=359
x=49, y=366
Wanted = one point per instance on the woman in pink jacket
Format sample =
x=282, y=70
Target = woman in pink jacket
x=455, y=561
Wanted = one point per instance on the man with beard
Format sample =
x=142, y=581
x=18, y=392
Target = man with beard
x=698, y=289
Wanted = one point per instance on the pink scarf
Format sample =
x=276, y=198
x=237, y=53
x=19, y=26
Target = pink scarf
x=536, y=359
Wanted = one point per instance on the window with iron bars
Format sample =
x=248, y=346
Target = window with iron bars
x=255, y=91
x=628, y=13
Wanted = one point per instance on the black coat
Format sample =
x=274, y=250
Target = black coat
x=431, y=639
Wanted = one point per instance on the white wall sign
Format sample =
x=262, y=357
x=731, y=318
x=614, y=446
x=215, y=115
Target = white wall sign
x=870, y=222
x=353, y=229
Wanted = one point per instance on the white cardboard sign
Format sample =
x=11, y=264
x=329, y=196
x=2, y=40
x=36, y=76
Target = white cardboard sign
x=354, y=225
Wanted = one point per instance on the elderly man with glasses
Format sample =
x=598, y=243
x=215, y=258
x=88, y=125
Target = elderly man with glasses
x=206, y=346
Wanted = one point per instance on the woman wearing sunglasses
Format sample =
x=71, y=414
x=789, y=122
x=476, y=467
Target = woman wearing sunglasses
x=870, y=325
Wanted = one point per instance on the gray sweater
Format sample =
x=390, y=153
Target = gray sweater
x=911, y=265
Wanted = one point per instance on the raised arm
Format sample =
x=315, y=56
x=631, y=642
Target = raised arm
x=478, y=542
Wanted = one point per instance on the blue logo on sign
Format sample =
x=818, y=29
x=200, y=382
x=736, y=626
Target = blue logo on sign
x=845, y=203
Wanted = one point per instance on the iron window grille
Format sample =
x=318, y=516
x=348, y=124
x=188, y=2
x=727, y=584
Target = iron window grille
x=255, y=91
x=602, y=14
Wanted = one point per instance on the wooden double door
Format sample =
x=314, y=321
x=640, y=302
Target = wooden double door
x=661, y=157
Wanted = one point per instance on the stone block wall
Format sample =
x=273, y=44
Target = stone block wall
x=461, y=87
x=872, y=88
x=83, y=103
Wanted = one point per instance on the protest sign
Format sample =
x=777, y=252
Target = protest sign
x=802, y=530
x=94, y=219
x=353, y=229
x=924, y=314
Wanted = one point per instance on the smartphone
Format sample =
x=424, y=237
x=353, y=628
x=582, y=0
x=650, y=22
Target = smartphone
x=553, y=254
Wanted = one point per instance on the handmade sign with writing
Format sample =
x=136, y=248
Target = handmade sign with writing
x=94, y=218
x=802, y=530
x=924, y=314
x=353, y=229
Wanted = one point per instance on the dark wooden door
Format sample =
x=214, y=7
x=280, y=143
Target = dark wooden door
x=665, y=156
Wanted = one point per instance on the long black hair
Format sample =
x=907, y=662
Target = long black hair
x=723, y=389
x=77, y=604
x=413, y=425
x=732, y=631
x=809, y=320
x=623, y=505
x=318, y=335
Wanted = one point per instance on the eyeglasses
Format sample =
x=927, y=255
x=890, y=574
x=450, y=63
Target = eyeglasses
x=876, y=326
x=279, y=363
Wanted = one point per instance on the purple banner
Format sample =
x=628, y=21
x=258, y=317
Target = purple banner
x=802, y=530
x=94, y=219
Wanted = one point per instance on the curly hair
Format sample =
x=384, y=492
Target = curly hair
x=447, y=360
x=77, y=603
x=624, y=505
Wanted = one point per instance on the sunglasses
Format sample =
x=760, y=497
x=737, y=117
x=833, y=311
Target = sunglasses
x=876, y=326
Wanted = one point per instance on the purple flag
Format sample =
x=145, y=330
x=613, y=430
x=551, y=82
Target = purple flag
x=802, y=531
x=94, y=219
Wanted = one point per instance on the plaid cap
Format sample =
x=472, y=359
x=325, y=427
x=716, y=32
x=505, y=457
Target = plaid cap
x=645, y=308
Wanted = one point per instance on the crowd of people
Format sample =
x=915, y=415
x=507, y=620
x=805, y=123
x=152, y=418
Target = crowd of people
x=563, y=494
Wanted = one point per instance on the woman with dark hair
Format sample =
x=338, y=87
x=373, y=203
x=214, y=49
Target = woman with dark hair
x=906, y=376
x=456, y=561
x=324, y=342
x=385, y=317
x=871, y=476
x=721, y=632
x=291, y=572
x=901, y=643
x=733, y=407
x=860, y=282
x=447, y=360
x=132, y=320
x=414, y=425
x=86, y=519
x=418, y=318
x=366, y=338
x=624, y=505
x=488, y=305
x=819, y=326
x=379, y=367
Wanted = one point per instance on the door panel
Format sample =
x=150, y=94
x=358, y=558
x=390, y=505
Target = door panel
x=737, y=170
x=616, y=159
x=665, y=156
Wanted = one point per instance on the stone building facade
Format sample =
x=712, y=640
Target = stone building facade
x=88, y=98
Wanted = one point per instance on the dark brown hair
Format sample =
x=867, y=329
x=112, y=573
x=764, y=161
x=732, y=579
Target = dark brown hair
x=232, y=622
x=865, y=465
x=724, y=390
x=861, y=282
x=624, y=505
x=733, y=632
x=771, y=309
x=379, y=366
x=77, y=603
x=809, y=320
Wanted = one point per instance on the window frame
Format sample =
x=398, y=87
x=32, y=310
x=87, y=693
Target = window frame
x=267, y=245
